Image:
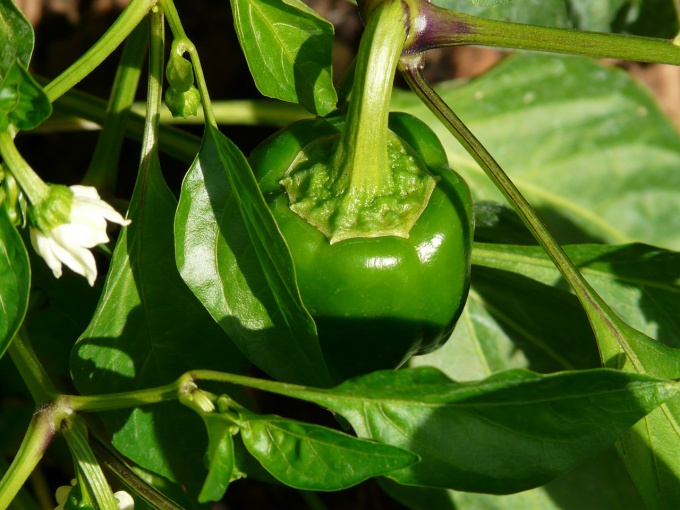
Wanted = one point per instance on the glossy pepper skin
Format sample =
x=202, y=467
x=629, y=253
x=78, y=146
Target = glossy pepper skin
x=376, y=301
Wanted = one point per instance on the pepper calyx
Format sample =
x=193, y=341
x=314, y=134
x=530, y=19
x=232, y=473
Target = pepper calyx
x=318, y=194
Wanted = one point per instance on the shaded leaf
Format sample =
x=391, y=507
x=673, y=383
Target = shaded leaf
x=647, y=449
x=288, y=49
x=510, y=432
x=498, y=223
x=599, y=484
x=584, y=143
x=652, y=18
x=511, y=321
x=15, y=280
x=641, y=283
x=16, y=37
x=514, y=322
x=22, y=101
x=221, y=471
x=232, y=256
x=316, y=458
x=147, y=330
x=534, y=12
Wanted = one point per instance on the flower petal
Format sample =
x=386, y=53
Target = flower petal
x=86, y=196
x=84, y=191
x=84, y=231
x=80, y=260
x=43, y=247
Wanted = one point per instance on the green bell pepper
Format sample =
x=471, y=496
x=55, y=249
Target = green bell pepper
x=376, y=301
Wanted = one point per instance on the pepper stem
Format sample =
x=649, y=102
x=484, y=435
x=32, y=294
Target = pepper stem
x=362, y=154
x=373, y=184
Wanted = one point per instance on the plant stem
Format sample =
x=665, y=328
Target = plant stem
x=439, y=27
x=31, y=370
x=89, y=473
x=362, y=154
x=186, y=382
x=95, y=403
x=102, y=172
x=155, y=86
x=243, y=112
x=35, y=188
x=114, y=36
x=39, y=434
x=118, y=468
x=601, y=317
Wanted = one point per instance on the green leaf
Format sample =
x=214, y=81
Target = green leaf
x=534, y=12
x=22, y=101
x=641, y=283
x=584, y=143
x=513, y=431
x=652, y=18
x=16, y=37
x=232, y=256
x=599, y=484
x=220, y=457
x=497, y=223
x=315, y=458
x=15, y=280
x=514, y=322
x=147, y=330
x=288, y=49
x=647, y=449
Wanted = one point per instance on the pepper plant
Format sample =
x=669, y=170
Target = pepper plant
x=468, y=359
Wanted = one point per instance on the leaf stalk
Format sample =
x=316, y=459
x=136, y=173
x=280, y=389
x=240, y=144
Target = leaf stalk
x=436, y=27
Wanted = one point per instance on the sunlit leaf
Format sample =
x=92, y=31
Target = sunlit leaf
x=22, y=101
x=16, y=37
x=232, y=256
x=147, y=330
x=15, y=280
x=311, y=457
x=288, y=49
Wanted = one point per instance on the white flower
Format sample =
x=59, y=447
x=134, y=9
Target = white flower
x=65, y=226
